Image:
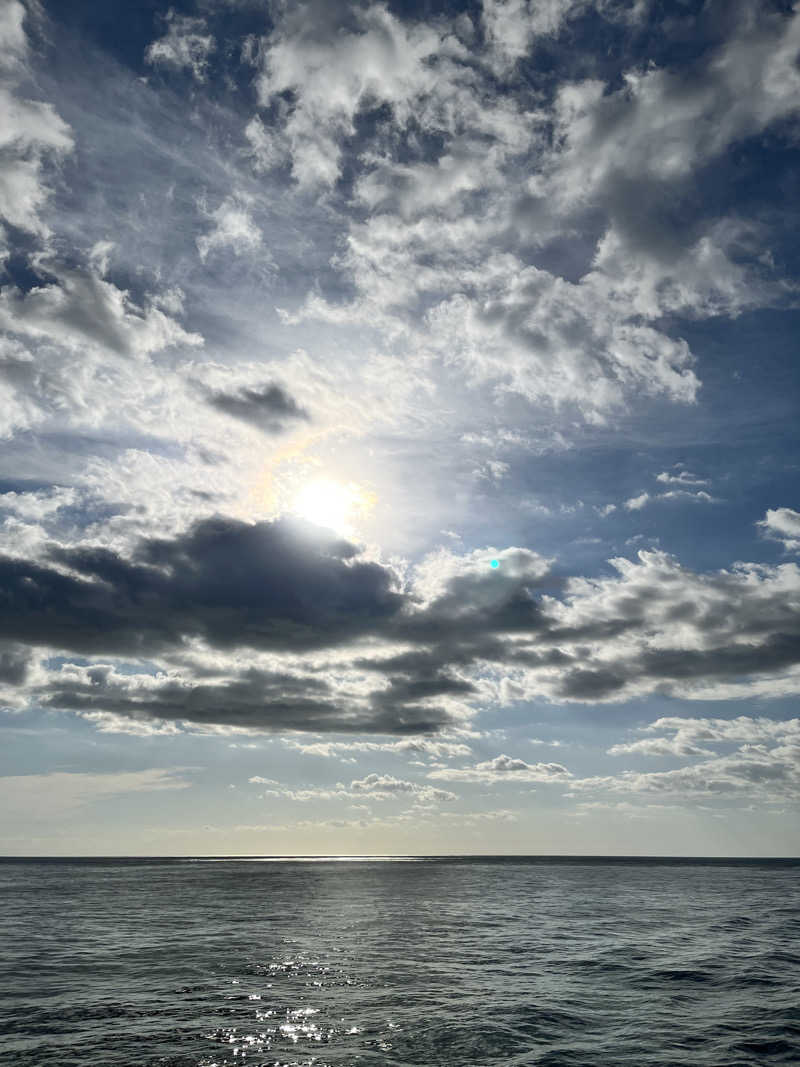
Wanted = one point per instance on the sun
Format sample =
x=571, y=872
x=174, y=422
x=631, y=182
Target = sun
x=332, y=504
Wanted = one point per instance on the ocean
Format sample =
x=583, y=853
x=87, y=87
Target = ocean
x=422, y=962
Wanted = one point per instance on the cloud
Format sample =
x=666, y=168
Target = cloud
x=382, y=786
x=411, y=746
x=741, y=730
x=33, y=137
x=245, y=698
x=400, y=656
x=662, y=124
x=79, y=307
x=370, y=787
x=268, y=585
x=682, y=478
x=449, y=258
x=636, y=503
x=185, y=45
x=268, y=408
x=768, y=773
x=39, y=504
x=46, y=796
x=658, y=746
x=13, y=36
x=700, y=497
x=782, y=524
x=510, y=26
x=336, y=60
x=233, y=228
x=503, y=769
x=658, y=627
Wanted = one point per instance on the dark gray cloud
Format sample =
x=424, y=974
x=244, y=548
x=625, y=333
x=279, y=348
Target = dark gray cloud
x=14, y=663
x=257, y=700
x=279, y=585
x=402, y=659
x=269, y=408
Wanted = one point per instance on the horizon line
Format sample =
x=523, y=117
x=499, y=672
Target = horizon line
x=363, y=856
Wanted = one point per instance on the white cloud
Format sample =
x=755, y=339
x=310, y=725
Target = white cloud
x=40, y=504
x=681, y=478
x=510, y=26
x=503, y=769
x=370, y=787
x=742, y=730
x=663, y=125
x=754, y=770
x=43, y=796
x=636, y=503
x=405, y=747
x=33, y=137
x=381, y=786
x=656, y=628
x=82, y=308
x=443, y=573
x=658, y=746
x=12, y=35
x=335, y=70
x=185, y=45
x=233, y=227
x=782, y=524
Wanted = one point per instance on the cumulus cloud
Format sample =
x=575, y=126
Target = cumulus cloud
x=404, y=656
x=700, y=496
x=503, y=769
x=658, y=746
x=336, y=60
x=233, y=228
x=681, y=478
x=636, y=503
x=768, y=773
x=411, y=746
x=185, y=46
x=244, y=698
x=662, y=124
x=382, y=786
x=436, y=245
x=370, y=787
x=265, y=585
x=510, y=26
x=80, y=307
x=268, y=408
x=782, y=524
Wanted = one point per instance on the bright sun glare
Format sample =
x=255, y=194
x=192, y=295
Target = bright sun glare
x=331, y=504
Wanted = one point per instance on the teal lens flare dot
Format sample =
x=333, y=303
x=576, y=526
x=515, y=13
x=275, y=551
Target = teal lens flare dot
x=495, y=563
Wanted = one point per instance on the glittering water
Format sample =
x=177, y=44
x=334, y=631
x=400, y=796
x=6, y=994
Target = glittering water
x=429, y=962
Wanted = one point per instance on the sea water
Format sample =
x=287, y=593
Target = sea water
x=424, y=962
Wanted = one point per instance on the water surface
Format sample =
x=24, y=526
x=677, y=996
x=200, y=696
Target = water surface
x=453, y=962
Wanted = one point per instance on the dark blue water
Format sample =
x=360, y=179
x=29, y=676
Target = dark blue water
x=424, y=963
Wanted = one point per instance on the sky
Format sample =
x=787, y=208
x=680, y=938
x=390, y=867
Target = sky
x=398, y=421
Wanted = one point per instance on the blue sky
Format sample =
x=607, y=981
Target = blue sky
x=310, y=311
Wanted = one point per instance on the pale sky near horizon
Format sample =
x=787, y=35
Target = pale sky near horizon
x=314, y=312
